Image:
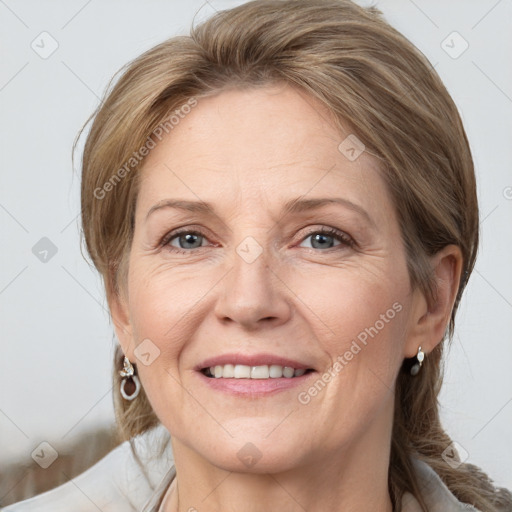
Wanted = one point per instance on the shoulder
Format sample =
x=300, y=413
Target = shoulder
x=435, y=493
x=117, y=483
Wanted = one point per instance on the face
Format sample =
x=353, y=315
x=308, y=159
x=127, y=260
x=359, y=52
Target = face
x=262, y=250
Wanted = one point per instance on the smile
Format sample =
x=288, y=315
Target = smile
x=241, y=371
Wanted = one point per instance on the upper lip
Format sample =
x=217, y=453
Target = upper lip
x=252, y=360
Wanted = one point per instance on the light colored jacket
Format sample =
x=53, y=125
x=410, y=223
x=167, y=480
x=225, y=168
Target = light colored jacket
x=120, y=483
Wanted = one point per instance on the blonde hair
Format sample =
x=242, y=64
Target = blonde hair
x=371, y=78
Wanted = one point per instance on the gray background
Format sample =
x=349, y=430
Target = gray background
x=56, y=337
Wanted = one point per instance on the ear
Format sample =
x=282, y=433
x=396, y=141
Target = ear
x=118, y=305
x=430, y=320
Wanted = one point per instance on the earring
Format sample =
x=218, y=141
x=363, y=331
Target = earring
x=128, y=372
x=419, y=357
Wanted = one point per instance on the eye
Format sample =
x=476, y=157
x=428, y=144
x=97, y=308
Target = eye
x=324, y=238
x=186, y=240
x=183, y=241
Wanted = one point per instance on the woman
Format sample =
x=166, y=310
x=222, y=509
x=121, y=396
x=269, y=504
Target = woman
x=284, y=212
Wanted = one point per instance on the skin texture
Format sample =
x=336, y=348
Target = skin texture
x=248, y=152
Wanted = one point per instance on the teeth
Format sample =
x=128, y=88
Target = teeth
x=228, y=370
x=276, y=371
x=242, y=371
x=259, y=372
x=287, y=371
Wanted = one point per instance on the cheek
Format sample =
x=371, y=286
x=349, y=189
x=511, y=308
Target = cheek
x=163, y=320
x=162, y=302
x=160, y=305
x=364, y=303
x=361, y=318
x=361, y=333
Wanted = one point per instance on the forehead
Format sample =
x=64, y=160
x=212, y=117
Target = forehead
x=267, y=143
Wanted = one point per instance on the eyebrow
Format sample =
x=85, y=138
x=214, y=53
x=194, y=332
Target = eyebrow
x=297, y=205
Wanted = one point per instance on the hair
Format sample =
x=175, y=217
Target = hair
x=372, y=79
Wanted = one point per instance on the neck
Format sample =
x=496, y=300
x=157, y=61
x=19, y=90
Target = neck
x=347, y=480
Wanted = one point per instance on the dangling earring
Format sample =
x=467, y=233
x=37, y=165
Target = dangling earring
x=128, y=372
x=419, y=361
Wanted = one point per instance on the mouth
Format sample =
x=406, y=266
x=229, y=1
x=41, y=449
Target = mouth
x=260, y=372
x=253, y=375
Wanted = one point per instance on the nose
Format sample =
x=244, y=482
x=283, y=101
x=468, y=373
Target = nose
x=253, y=295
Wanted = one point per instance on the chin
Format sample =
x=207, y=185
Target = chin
x=253, y=453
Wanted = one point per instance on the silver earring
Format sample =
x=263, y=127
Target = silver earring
x=128, y=372
x=420, y=356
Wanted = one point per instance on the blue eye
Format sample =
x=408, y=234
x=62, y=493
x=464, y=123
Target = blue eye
x=187, y=240
x=324, y=238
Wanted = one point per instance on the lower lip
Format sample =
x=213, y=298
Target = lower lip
x=254, y=387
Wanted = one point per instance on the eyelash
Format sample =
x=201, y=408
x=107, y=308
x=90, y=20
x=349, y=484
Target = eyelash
x=344, y=239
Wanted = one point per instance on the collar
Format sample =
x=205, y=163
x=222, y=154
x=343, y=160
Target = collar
x=436, y=494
